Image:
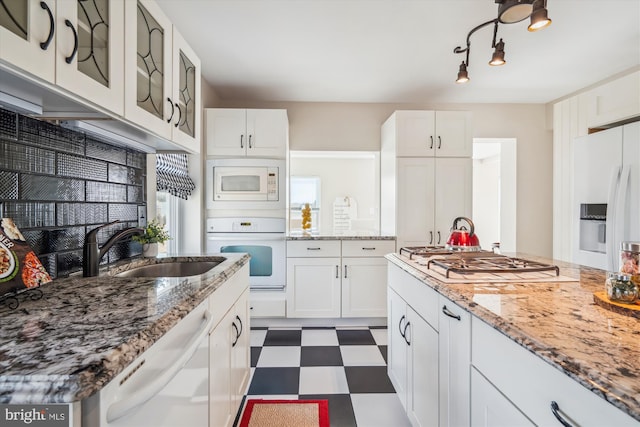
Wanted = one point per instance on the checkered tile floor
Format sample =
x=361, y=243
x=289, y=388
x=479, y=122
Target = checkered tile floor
x=346, y=366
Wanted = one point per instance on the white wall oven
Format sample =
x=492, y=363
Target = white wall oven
x=245, y=184
x=262, y=238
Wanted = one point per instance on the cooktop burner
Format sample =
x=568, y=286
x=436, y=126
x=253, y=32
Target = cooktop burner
x=447, y=261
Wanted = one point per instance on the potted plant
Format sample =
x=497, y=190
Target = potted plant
x=154, y=233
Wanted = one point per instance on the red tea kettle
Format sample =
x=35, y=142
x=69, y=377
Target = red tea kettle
x=462, y=240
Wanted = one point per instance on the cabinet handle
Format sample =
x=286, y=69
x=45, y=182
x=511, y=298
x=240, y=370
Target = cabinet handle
x=69, y=59
x=313, y=249
x=400, y=327
x=345, y=271
x=337, y=272
x=172, y=110
x=179, y=115
x=555, y=409
x=368, y=249
x=438, y=237
x=250, y=140
x=431, y=146
x=52, y=25
x=239, y=321
x=233, y=344
x=241, y=141
x=449, y=313
x=439, y=142
x=405, y=333
x=431, y=237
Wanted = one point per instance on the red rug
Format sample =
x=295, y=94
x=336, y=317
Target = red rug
x=285, y=413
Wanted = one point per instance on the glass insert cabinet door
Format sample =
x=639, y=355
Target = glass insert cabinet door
x=89, y=54
x=186, y=93
x=148, y=74
x=27, y=36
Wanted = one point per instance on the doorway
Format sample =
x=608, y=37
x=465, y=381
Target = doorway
x=494, y=191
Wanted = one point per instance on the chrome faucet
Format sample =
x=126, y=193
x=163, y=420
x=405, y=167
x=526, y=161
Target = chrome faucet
x=92, y=254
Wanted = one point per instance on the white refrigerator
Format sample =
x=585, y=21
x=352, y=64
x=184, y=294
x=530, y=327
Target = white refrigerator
x=606, y=198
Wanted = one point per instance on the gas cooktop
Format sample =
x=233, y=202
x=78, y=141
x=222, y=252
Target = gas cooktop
x=477, y=266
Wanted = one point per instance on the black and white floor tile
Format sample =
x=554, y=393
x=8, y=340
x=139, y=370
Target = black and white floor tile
x=346, y=366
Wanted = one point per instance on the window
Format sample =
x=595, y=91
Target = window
x=167, y=214
x=304, y=189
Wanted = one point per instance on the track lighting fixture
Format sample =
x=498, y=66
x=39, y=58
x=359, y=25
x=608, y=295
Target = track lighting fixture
x=509, y=12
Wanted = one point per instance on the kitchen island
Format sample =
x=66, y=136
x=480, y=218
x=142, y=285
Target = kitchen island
x=557, y=322
x=74, y=341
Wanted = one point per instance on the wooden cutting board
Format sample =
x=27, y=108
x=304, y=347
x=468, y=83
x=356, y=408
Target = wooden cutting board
x=601, y=299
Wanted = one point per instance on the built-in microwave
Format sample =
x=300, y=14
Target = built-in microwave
x=245, y=184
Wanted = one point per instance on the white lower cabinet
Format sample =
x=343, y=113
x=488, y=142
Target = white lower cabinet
x=333, y=278
x=229, y=355
x=313, y=287
x=454, y=345
x=538, y=390
x=490, y=408
x=412, y=357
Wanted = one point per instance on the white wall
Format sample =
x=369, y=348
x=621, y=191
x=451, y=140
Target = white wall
x=353, y=126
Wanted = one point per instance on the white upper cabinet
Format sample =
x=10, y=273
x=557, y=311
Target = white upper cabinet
x=433, y=133
x=27, y=34
x=155, y=99
x=614, y=101
x=89, y=51
x=246, y=132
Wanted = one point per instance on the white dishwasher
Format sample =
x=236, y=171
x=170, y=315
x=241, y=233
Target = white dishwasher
x=168, y=385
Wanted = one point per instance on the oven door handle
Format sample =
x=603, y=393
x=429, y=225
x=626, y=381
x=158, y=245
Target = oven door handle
x=246, y=237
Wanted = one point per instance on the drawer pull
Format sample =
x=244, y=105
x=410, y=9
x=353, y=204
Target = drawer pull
x=69, y=59
x=369, y=249
x=313, y=249
x=337, y=272
x=45, y=44
x=556, y=413
x=431, y=237
x=345, y=271
x=431, y=146
x=235, y=340
x=449, y=313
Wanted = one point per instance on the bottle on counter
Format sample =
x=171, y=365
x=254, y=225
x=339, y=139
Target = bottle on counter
x=630, y=260
x=620, y=287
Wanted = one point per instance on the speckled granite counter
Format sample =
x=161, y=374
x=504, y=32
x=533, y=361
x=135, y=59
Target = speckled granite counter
x=84, y=331
x=323, y=237
x=559, y=322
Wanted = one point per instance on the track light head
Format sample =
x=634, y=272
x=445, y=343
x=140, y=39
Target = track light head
x=539, y=16
x=498, y=54
x=463, y=76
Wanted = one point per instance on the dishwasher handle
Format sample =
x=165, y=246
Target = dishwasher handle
x=122, y=407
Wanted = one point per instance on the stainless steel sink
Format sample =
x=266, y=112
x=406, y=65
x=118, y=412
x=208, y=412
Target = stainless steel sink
x=170, y=269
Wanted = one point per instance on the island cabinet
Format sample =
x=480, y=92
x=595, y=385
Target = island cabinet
x=239, y=132
x=334, y=278
x=229, y=346
x=429, y=352
x=162, y=76
x=412, y=353
x=76, y=45
x=512, y=386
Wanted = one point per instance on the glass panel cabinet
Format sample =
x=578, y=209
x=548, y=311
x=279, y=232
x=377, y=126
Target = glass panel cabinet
x=162, y=76
x=89, y=53
x=27, y=32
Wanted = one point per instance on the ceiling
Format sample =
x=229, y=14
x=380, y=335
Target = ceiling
x=401, y=51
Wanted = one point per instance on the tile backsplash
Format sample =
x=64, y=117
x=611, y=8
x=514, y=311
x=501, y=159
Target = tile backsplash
x=57, y=184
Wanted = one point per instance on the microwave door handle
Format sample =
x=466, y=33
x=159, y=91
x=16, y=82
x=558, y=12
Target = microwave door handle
x=614, y=184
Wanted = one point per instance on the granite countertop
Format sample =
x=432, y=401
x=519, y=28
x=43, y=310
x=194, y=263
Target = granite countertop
x=300, y=236
x=560, y=323
x=84, y=331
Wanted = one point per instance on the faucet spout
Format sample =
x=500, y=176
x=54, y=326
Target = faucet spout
x=92, y=253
